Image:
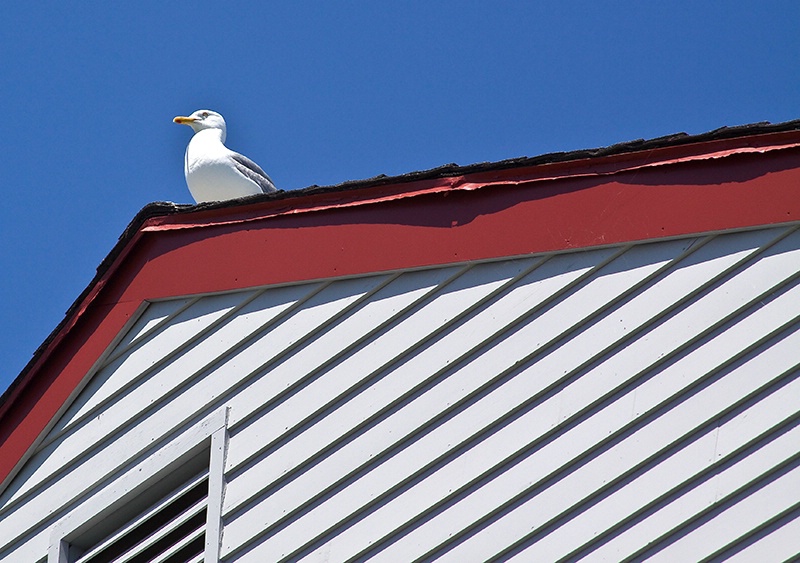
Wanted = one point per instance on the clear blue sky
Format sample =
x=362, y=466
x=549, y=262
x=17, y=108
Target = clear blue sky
x=323, y=92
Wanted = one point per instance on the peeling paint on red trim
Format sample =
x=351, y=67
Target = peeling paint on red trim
x=697, y=188
x=442, y=185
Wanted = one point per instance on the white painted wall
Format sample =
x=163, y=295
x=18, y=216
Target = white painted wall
x=639, y=401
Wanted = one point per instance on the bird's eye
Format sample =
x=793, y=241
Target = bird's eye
x=204, y=114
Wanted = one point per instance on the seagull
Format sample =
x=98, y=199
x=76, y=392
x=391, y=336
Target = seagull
x=213, y=171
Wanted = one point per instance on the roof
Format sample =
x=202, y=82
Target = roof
x=730, y=178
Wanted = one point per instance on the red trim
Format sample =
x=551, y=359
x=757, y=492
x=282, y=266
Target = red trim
x=486, y=215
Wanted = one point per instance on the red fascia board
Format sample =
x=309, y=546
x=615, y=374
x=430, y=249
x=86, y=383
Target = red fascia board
x=394, y=227
x=453, y=226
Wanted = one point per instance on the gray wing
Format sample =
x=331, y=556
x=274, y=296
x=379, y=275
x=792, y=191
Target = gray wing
x=253, y=171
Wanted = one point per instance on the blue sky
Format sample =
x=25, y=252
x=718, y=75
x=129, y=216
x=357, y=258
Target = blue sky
x=323, y=92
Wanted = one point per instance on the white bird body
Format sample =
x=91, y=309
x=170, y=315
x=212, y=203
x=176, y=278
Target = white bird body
x=213, y=171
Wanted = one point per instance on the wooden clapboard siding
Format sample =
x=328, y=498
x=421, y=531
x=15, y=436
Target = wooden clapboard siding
x=720, y=258
x=633, y=400
x=380, y=476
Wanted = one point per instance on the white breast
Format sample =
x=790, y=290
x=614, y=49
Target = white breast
x=209, y=170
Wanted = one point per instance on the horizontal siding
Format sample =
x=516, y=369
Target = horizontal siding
x=620, y=402
x=565, y=481
x=158, y=314
x=332, y=501
x=778, y=539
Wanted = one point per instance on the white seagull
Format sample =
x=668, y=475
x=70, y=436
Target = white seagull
x=213, y=171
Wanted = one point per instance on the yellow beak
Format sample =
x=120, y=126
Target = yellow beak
x=184, y=120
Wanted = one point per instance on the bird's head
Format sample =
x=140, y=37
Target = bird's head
x=203, y=119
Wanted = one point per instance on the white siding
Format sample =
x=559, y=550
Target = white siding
x=635, y=401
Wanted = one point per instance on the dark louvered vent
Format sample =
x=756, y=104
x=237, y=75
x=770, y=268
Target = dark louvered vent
x=172, y=530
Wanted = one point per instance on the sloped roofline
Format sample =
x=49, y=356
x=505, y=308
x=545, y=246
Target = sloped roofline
x=735, y=177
